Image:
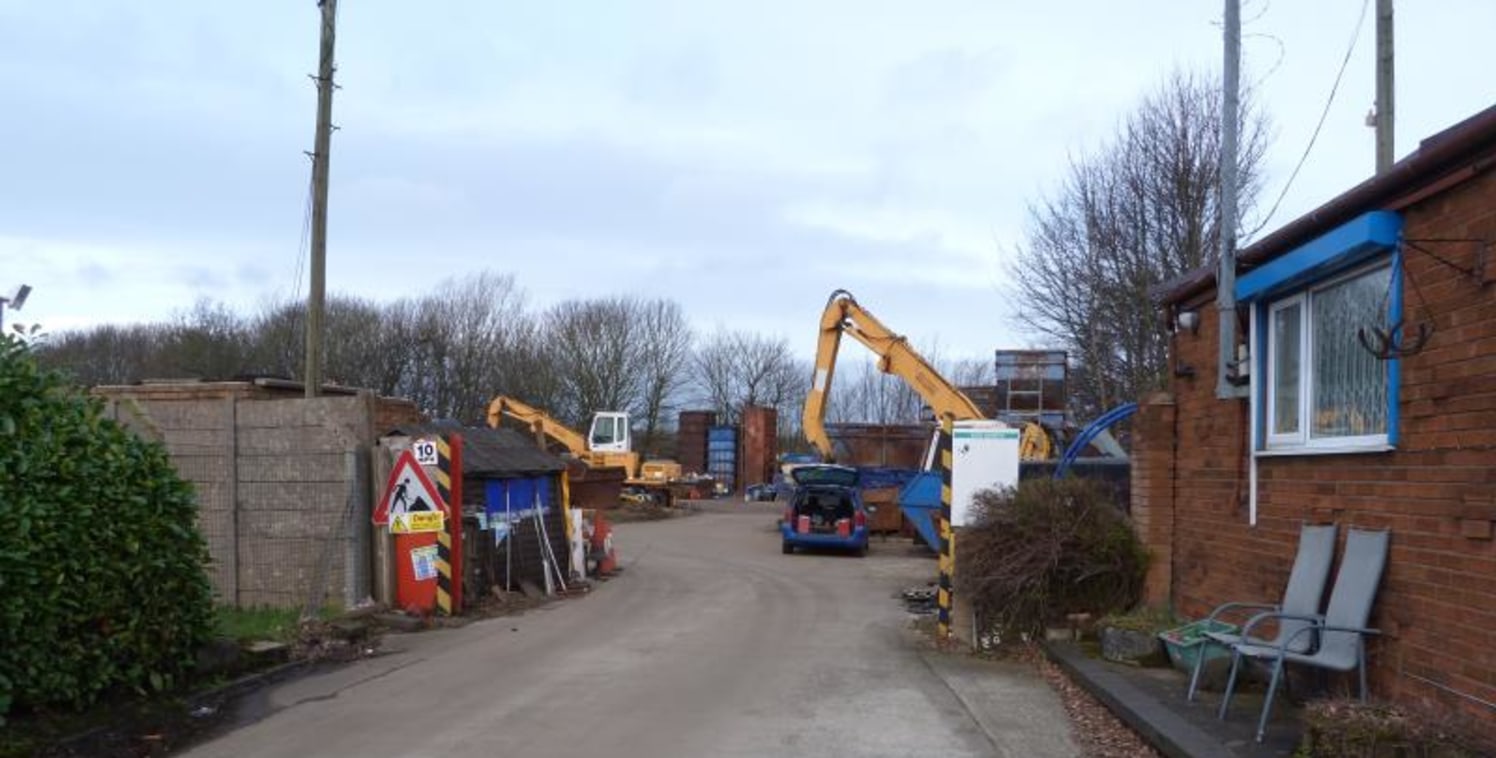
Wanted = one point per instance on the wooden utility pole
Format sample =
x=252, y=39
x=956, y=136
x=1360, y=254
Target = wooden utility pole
x=316, y=296
x=1385, y=108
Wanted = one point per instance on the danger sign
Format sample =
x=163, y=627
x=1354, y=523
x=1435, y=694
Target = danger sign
x=410, y=503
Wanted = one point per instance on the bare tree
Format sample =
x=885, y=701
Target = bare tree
x=734, y=369
x=106, y=354
x=592, y=345
x=1137, y=213
x=358, y=352
x=863, y=394
x=663, y=351
x=210, y=341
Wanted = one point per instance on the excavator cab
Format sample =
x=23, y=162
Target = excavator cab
x=609, y=433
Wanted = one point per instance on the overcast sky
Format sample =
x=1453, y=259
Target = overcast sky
x=743, y=158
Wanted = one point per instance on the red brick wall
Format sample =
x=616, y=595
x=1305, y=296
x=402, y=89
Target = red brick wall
x=1435, y=491
x=1153, y=492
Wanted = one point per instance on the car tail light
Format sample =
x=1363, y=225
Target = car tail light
x=789, y=515
x=860, y=519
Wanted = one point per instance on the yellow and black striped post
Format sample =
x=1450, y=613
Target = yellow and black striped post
x=943, y=459
x=453, y=521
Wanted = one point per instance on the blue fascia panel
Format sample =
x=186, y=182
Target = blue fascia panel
x=1344, y=246
x=1394, y=365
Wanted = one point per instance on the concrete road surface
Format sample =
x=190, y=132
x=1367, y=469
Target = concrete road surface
x=711, y=643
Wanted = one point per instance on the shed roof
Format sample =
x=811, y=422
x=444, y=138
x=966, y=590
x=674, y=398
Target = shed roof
x=490, y=453
x=1441, y=161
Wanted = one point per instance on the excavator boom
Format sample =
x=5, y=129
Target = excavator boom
x=542, y=424
x=895, y=356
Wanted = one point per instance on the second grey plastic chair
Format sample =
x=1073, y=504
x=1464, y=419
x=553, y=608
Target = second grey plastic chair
x=1342, y=630
x=1306, y=586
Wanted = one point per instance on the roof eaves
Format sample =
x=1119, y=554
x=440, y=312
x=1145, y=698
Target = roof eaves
x=1464, y=143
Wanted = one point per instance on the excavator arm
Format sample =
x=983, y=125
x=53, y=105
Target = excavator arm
x=895, y=356
x=537, y=421
x=543, y=426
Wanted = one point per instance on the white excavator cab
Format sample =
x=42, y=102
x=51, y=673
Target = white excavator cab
x=609, y=433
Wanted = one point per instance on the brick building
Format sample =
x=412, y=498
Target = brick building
x=1329, y=431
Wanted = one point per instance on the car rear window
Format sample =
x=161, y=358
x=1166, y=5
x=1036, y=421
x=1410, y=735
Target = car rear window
x=837, y=475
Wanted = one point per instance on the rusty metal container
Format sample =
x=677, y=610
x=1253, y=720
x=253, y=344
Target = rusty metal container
x=594, y=487
x=759, y=446
x=691, y=431
x=888, y=519
x=890, y=445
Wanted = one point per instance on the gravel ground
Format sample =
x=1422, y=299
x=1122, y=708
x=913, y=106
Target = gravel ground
x=1099, y=733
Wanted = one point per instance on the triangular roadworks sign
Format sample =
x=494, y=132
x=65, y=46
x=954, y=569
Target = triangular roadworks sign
x=408, y=491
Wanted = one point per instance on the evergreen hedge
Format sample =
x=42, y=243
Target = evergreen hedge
x=102, y=580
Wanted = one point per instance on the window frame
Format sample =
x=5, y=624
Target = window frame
x=1303, y=441
x=1274, y=439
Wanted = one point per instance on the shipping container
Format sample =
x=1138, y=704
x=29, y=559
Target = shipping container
x=691, y=440
x=722, y=455
x=889, y=445
x=760, y=443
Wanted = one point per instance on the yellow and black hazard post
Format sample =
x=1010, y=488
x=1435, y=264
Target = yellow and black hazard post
x=943, y=459
x=449, y=539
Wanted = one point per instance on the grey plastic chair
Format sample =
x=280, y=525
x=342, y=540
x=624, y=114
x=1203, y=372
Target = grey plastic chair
x=1342, y=630
x=1306, y=586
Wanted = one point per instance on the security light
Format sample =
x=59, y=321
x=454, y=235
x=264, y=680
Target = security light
x=14, y=301
x=1188, y=321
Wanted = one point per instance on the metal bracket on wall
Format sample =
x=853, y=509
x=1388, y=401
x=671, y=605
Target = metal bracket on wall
x=1392, y=343
x=1481, y=274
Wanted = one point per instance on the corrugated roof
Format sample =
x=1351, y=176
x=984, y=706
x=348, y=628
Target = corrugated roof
x=490, y=453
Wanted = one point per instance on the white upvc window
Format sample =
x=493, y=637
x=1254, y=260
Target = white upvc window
x=1324, y=391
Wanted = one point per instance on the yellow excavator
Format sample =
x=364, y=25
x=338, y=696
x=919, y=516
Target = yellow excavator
x=843, y=315
x=608, y=444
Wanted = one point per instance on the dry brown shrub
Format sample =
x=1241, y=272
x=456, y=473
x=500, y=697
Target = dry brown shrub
x=1044, y=550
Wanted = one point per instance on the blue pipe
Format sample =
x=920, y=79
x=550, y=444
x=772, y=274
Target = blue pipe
x=1090, y=433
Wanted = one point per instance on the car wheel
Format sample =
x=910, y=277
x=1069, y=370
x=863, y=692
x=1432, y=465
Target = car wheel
x=787, y=547
x=862, y=551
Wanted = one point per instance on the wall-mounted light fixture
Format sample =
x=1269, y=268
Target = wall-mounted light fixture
x=1187, y=321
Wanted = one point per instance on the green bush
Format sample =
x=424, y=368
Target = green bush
x=102, y=582
x=1047, y=549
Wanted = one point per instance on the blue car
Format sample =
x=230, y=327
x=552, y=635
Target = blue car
x=825, y=511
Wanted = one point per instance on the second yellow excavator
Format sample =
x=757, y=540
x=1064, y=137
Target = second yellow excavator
x=843, y=315
x=609, y=443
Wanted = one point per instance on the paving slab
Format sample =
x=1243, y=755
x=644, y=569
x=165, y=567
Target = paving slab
x=1152, y=702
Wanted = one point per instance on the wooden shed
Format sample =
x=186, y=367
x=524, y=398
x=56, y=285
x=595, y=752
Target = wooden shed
x=506, y=480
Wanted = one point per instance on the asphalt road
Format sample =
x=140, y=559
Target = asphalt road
x=710, y=643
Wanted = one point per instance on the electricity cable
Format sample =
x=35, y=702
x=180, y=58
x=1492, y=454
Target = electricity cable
x=1324, y=114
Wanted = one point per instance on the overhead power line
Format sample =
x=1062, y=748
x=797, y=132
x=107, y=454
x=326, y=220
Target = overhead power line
x=1324, y=114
